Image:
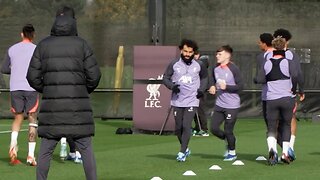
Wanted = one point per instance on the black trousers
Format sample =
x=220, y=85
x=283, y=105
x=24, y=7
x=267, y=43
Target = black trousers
x=229, y=117
x=84, y=146
x=202, y=115
x=280, y=110
x=264, y=111
x=183, y=117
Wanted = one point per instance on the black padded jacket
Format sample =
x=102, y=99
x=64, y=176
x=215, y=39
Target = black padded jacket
x=64, y=69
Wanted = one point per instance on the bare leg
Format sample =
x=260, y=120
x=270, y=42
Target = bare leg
x=32, y=138
x=17, y=122
x=32, y=127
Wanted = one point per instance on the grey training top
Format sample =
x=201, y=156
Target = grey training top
x=230, y=73
x=191, y=78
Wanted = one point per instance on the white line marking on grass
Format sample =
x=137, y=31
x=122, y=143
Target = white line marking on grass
x=4, y=132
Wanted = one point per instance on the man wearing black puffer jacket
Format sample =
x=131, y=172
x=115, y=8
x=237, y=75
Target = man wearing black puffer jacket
x=64, y=69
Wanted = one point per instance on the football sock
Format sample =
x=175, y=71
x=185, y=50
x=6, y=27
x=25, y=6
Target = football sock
x=232, y=152
x=14, y=138
x=272, y=143
x=78, y=154
x=285, y=147
x=32, y=146
x=292, y=140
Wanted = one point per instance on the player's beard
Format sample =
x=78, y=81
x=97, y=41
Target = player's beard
x=187, y=60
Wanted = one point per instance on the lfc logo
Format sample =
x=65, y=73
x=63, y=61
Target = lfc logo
x=154, y=94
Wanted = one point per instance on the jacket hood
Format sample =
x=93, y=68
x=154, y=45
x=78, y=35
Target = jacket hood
x=64, y=26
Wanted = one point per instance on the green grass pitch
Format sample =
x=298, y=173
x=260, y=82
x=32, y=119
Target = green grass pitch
x=141, y=156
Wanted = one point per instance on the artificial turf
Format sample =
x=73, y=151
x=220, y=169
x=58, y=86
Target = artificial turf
x=142, y=156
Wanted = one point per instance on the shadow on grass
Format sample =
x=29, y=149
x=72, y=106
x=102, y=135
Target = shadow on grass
x=315, y=153
x=252, y=157
x=163, y=156
x=240, y=156
x=55, y=157
x=7, y=160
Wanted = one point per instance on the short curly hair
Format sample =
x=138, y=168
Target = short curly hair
x=283, y=33
x=189, y=43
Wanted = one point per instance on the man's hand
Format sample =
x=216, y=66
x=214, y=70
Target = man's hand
x=301, y=97
x=175, y=88
x=222, y=84
x=212, y=90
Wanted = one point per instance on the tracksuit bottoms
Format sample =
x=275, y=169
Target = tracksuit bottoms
x=183, y=117
x=229, y=117
x=84, y=146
